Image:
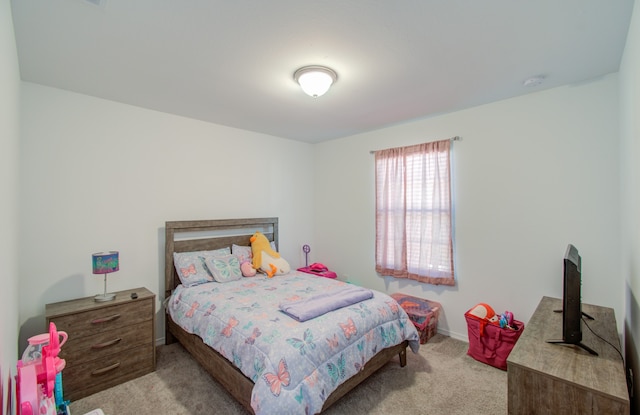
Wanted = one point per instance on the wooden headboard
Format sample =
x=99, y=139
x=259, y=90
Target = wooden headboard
x=202, y=235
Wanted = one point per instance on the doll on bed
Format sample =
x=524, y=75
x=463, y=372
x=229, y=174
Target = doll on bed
x=266, y=259
x=247, y=269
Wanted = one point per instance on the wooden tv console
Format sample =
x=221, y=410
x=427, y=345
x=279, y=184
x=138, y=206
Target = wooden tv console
x=546, y=378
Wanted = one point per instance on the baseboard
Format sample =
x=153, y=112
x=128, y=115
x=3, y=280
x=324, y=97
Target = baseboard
x=454, y=335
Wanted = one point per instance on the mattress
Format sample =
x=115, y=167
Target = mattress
x=294, y=365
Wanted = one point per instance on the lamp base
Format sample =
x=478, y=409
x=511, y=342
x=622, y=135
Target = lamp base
x=104, y=297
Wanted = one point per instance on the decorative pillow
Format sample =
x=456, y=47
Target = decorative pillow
x=244, y=252
x=224, y=268
x=191, y=267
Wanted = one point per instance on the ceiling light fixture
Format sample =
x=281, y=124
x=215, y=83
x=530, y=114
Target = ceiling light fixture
x=315, y=81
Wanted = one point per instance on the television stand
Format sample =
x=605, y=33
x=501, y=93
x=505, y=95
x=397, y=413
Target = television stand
x=579, y=344
x=546, y=379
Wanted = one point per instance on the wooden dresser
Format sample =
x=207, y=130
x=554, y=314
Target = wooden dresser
x=109, y=342
x=546, y=378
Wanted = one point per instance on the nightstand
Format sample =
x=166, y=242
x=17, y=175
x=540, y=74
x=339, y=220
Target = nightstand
x=109, y=342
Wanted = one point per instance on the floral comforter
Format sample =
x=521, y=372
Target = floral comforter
x=295, y=365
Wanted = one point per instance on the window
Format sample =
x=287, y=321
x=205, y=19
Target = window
x=413, y=213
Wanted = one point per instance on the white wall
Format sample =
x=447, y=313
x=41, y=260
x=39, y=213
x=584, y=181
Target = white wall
x=98, y=175
x=630, y=177
x=9, y=135
x=531, y=175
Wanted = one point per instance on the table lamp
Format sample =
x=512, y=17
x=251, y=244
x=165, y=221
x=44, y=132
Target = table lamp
x=104, y=263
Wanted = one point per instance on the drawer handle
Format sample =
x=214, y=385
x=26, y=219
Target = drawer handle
x=105, y=369
x=106, y=319
x=106, y=344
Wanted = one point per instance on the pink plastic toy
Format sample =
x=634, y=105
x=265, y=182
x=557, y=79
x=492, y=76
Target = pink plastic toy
x=35, y=381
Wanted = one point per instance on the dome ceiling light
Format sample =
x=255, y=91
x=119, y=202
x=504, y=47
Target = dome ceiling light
x=315, y=81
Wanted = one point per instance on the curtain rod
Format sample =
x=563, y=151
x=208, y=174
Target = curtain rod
x=456, y=138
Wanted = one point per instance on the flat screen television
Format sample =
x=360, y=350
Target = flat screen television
x=572, y=302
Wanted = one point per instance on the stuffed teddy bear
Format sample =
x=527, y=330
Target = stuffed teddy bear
x=247, y=269
x=266, y=259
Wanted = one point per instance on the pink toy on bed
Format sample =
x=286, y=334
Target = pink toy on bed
x=247, y=269
x=324, y=273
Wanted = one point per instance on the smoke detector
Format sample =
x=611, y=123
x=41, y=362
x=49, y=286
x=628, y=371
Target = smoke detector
x=533, y=81
x=99, y=3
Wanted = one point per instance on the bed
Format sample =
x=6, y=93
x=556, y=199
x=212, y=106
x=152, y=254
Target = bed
x=268, y=361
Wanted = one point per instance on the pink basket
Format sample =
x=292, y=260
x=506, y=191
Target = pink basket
x=422, y=313
x=489, y=343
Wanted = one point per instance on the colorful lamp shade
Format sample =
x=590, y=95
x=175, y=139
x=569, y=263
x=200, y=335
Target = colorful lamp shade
x=105, y=263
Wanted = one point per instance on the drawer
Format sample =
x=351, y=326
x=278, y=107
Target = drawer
x=106, y=318
x=80, y=349
x=85, y=379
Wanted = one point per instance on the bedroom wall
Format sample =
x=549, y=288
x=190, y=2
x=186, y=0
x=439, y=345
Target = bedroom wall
x=9, y=135
x=531, y=174
x=99, y=175
x=630, y=179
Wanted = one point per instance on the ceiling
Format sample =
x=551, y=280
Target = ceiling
x=231, y=62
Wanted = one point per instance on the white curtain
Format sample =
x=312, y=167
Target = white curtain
x=413, y=213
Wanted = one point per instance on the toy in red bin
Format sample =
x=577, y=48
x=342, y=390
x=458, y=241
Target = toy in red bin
x=491, y=336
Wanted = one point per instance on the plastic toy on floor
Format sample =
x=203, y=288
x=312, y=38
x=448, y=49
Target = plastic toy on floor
x=38, y=372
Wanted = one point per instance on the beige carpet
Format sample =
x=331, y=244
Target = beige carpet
x=440, y=380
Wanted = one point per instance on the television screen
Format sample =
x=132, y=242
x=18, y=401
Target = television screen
x=572, y=301
x=572, y=307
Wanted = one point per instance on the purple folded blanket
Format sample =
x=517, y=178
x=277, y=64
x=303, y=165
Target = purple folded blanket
x=320, y=304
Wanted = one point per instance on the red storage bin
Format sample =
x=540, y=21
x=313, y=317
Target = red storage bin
x=422, y=313
x=489, y=343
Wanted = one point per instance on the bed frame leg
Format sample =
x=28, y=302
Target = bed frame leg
x=403, y=357
x=169, y=338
